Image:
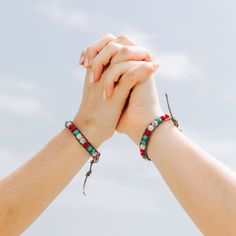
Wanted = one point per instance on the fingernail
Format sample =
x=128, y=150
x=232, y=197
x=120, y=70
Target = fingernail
x=104, y=96
x=85, y=62
x=91, y=77
x=81, y=60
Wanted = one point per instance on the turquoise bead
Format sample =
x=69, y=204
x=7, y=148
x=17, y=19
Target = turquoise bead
x=143, y=142
x=93, y=151
x=159, y=120
x=76, y=132
x=145, y=137
x=90, y=148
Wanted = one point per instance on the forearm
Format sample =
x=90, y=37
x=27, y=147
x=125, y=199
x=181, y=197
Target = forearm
x=30, y=189
x=204, y=186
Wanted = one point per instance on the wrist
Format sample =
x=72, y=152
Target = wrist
x=136, y=131
x=90, y=131
x=162, y=138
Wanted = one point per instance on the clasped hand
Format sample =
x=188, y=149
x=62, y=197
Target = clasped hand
x=119, y=90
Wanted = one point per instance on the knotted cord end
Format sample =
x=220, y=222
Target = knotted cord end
x=176, y=123
x=87, y=175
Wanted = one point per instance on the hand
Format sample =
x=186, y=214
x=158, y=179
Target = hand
x=143, y=105
x=142, y=108
x=97, y=117
x=110, y=50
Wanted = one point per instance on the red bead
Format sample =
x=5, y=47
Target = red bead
x=71, y=126
x=73, y=129
x=86, y=144
x=148, y=132
x=162, y=117
x=142, y=152
x=166, y=116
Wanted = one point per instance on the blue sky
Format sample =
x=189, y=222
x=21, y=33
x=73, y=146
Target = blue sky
x=41, y=85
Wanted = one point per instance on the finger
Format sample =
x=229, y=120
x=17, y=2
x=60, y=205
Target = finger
x=126, y=40
x=96, y=47
x=137, y=74
x=112, y=75
x=115, y=72
x=135, y=53
x=103, y=59
x=114, y=53
x=81, y=60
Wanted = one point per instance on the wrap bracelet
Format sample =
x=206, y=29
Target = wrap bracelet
x=80, y=137
x=150, y=129
x=147, y=134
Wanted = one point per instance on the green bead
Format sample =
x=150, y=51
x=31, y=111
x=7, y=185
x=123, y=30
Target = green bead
x=159, y=120
x=143, y=142
x=90, y=148
x=145, y=137
x=76, y=132
x=93, y=151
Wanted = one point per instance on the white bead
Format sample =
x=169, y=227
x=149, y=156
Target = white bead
x=82, y=141
x=151, y=127
x=96, y=159
x=94, y=154
x=154, y=123
x=68, y=124
x=142, y=147
x=79, y=136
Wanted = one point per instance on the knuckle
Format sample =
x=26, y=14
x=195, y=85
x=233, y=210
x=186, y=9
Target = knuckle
x=124, y=50
x=112, y=45
x=123, y=37
x=147, y=67
x=146, y=52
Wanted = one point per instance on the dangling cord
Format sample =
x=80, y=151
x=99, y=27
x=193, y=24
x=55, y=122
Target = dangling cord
x=172, y=117
x=87, y=175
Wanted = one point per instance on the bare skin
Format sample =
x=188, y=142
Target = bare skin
x=116, y=68
x=30, y=189
x=205, y=188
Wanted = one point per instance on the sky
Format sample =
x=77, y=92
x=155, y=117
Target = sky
x=41, y=85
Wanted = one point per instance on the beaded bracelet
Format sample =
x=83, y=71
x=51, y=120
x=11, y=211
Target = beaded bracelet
x=147, y=135
x=86, y=144
x=151, y=127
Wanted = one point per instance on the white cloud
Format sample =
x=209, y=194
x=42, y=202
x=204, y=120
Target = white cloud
x=57, y=13
x=17, y=97
x=22, y=105
x=26, y=86
x=16, y=85
x=177, y=66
